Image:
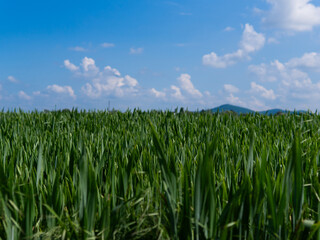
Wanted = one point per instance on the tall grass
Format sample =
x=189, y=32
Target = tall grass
x=158, y=175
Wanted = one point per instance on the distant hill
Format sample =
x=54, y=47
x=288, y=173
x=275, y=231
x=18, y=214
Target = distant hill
x=273, y=111
x=241, y=110
x=229, y=107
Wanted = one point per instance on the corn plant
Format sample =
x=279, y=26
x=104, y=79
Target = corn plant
x=159, y=175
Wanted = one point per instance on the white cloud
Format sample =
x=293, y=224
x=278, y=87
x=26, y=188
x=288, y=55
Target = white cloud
x=177, y=93
x=228, y=29
x=234, y=100
x=158, y=94
x=130, y=81
x=256, y=104
x=70, y=66
x=12, y=79
x=265, y=93
x=78, y=49
x=278, y=65
x=183, y=92
x=207, y=93
x=257, y=10
x=112, y=70
x=251, y=42
x=272, y=40
x=289, y=71
x=264, y=72
x=105, y=82
x=62, y=90
x=230, y=88
x=295, y=15
x=186, y=84
x=224, y=61
x=88, y=64
x=24, y=96
x=295, y=78
x=308, y=60
x=92, y=90
x=136, y=50
x=87, y=68
x=294, y=86
x=109, y=82
x=107, y=45
x=259, y=70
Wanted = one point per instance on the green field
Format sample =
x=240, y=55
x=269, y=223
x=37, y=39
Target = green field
x=159, y=175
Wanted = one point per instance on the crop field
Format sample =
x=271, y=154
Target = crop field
x=159, y=175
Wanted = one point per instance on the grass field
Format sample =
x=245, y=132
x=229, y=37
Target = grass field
x=159, y=175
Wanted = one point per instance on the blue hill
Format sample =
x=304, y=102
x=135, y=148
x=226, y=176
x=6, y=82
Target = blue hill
x=229, y=107
x=241, y=110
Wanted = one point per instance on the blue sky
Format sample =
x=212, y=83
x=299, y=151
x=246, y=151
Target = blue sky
x=154, y=54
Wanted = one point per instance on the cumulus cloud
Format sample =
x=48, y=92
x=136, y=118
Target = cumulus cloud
x=251, y=42
x=184, y=91
x=107, y=84
x=224, y=61
x=308, y=60
x=89, y=65
x=257, y=11
x=230, y=88
x=62, y=90
x=265, y=93
x=186, y=84
x=272, y=40
x=295, y=15
x=294, y=84
x=264, y=72
x=112, y=70
x=278, y=72
x=136, y=50
x=130, y=81
x=158, y=94
x=257, y=104
x=176, y=93
x=289, y=71
x=103, y=82
x=107, y=45
x=78, y=49
x=234, y=100
x=108, y=81
x=228, y=29
x=70, y=66
x=229, y=94
x=12, y=79
x=24, y=96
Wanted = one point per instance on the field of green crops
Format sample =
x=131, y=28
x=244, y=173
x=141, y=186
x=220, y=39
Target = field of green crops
x=159, y=175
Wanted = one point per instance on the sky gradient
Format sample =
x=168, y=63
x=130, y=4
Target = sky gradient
x=153, y=54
